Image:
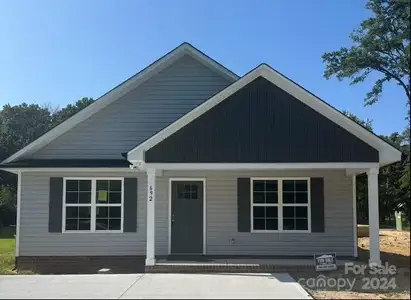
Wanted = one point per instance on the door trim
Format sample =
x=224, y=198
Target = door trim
x=203, y=180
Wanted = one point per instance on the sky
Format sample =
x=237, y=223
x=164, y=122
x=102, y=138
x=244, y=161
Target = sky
x=56, y=52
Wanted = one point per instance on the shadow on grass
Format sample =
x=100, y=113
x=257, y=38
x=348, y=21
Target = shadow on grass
x=399, y=260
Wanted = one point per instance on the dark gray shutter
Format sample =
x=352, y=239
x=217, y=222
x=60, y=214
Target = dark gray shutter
x=243, y=204
x=55, y=204
x=317, y=205
x=130, y=205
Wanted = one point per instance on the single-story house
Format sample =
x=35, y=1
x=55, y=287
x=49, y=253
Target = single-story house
x=188, y=158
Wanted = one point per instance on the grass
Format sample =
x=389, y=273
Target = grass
x=7, y=251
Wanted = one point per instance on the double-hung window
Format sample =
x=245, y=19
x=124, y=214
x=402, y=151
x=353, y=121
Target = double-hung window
x=280, y=204
x=93, y=204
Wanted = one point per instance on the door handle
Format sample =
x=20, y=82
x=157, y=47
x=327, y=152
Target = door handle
x=172, y=218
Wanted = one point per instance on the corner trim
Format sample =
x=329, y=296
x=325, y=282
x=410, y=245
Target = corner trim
x=18, y=216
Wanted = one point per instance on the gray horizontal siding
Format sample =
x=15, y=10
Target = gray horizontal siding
x=221, y=194
x=261, y=123
x=35, y=240
x=139, y=114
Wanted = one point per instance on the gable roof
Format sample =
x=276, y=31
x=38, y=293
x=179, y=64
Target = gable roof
x=387, y=153
x=120, y=90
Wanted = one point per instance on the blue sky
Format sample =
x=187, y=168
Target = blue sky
x=55, y=52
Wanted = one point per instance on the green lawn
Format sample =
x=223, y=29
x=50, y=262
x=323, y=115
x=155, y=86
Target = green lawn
x=7, y=251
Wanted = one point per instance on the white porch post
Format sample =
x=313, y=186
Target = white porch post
x=151, y=197
x=373, y=216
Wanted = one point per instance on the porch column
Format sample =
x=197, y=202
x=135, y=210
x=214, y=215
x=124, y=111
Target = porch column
x=373, y=217
x=151, y=226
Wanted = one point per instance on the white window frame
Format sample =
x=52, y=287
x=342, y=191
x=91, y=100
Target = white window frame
x=280, y=204
x=93, y=205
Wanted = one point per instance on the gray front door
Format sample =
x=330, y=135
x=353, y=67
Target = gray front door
x=187, y=217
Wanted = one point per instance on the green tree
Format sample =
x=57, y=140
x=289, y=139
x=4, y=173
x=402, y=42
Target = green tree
x=70, y=110
x=381, y=46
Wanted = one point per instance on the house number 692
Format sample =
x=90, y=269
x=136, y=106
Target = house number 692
x=150, y=195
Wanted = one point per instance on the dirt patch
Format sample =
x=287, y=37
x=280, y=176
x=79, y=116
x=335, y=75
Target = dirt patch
x=395, y=250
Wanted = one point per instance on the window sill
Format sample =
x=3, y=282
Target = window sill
x=92, y=232
x=280, y=231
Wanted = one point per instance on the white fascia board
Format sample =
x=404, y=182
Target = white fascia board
x=119, y=91
x=259, y=166
x=387, y=153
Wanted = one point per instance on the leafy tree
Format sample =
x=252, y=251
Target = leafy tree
x=381, y=46
x=20, y=125
x=70, y=110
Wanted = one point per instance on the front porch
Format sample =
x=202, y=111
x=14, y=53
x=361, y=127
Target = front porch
x=221, y=264
x=247, y=252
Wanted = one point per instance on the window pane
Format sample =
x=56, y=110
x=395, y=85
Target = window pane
x=71, y=197
x=301, y=185
x=288, y=212
x=84, y=212
x=271, y=197
x=102, y=185
x=259, y=197
x=271, y=212
x=71, y=224
x=115, y=212
x=272, y=224
x=259, y=185
x=301, y=197
x=85, y=197
x=72, y=185
x=101, y=224
x=101, y=212
x=85, y=185
x=301, y=224
x=258, y=211
x=271, y=185
x=288, y=185
x=115, y=185
x=301, y=212
x=84, y=224
x=288, y=197
x=259, y=224
x=288, y=224
x=71, y=212
x=115, y=224
x=114, y=197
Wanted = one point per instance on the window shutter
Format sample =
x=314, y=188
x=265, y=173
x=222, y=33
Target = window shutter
x=243, y=205
x=130, y=205
x=317, y=205
x=55, y=204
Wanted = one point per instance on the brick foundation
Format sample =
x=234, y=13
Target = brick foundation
x=80, y=264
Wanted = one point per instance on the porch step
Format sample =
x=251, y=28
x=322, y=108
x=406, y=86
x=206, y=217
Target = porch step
x=224, y=268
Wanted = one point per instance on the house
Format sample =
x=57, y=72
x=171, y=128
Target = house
x=186, y=157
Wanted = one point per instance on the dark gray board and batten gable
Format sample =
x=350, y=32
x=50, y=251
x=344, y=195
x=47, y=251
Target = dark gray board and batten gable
x=261, y=123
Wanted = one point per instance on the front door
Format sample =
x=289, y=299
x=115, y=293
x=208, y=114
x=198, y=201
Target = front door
x=187, y=217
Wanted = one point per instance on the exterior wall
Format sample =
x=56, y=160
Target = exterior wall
x=138, y=114
x=35, y=240
x=221, y=216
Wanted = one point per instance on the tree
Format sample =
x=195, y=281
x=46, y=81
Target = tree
x=70, y=110
x=20, y=125
x=381, y=45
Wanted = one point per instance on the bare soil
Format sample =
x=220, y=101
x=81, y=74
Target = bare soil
x=395, y=250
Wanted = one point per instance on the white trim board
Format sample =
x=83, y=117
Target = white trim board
x=258, y=166
x=117, y=92
x=203, y=180
x=387, y=153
